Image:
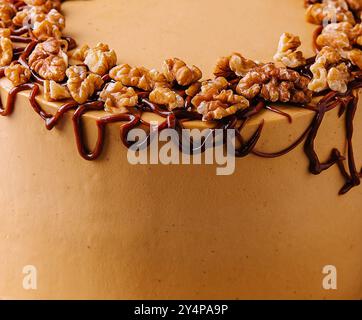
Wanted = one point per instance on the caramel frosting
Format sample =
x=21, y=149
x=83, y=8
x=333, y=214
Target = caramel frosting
x=240, y=90
x=107, y=229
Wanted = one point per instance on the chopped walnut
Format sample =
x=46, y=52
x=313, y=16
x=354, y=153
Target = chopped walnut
x=275, y=84
x=194, y=89
x=35, y=17
x=118, y=98
x=100, y=59
x=224, y=104
x=355, y=56
x=177, y=70
x=167, y=97
x=79, y=53
x=49, y=59
x=233, y=65
x=338, y=78
x=5, y=33
x=54, y=91
x=82, y=84
x=215, y=102
x=17, y=74
x=56, y=18
x=46, y=5
x=336, y=35
x=319, y=81
x=6, y=48
x=140, y=78
x=209, y=89
x=22, y=18
x=49, y=25
x=355, y=35
x=45, y=30
x=328, y=55
x=216, y=110
x=328, y=72
x=329, y=11
x=29, y=15
x=7, y=12
x=287, y=51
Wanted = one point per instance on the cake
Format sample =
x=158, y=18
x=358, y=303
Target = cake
x=107, y=229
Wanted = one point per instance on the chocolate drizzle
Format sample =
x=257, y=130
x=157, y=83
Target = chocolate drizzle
x=175, y=119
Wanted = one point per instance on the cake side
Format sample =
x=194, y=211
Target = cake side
x=106, y=229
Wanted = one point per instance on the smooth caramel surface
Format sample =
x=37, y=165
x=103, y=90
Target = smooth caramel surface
x=145, y=32
x=110, y=230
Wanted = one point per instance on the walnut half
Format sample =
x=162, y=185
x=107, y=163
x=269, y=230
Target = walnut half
x=118, y=98
x=100, y=59
x=6, y=48
x=175, y=70
x=82, y=84
x=7, y=12
x=329, y=71
x=49, y=59
x=233, y=65
x=215, y=102
x=166, y=97
x=287, y=51
x=17, y=74
x=138, y=77
x=274, y=84
x=329, y=11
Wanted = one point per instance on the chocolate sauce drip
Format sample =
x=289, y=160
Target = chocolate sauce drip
x=175, y=119
x=52, y=121
x=9, y=106
x=315, y=166
x=248, y=146
x=285, y=151
x=72, y=44
x=132, y=122
x=354, y=178
x=20, y=39
x=20, y=31
x=282, y=113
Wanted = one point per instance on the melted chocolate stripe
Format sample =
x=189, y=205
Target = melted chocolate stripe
x=77, y=124
x=282, y=113
x=248, y=147
x=51, y=122
x=10, y=103
x=133, y=121
x=354, y=178
x=20, y=31
x=285, y=151
x=315, y=166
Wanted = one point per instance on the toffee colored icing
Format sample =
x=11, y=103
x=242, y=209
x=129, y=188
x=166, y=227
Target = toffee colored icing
x=174, y=119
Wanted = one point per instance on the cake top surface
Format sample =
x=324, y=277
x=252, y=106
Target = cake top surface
x=144, y=32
